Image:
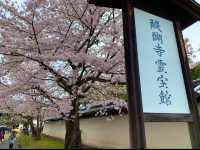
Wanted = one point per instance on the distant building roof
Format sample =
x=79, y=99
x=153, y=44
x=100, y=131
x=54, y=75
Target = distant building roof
x=196, y=87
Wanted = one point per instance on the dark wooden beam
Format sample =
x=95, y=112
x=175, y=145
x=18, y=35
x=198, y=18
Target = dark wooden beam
x=107, y=3
x=136, y=116
x=194, y=126
x=186, y=11
x=148, y=117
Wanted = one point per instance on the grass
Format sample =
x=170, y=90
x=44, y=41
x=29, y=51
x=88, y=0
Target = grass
x=27, y=142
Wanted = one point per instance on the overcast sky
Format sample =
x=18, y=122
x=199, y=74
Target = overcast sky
x=193, y=33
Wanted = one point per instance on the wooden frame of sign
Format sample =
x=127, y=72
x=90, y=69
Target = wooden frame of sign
x=136, y=115
x=132, y=68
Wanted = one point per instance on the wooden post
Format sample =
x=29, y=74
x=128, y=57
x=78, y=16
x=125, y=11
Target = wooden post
x=194, y=126
x=136, y=117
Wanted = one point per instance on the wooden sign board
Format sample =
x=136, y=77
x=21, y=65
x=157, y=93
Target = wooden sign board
x=161, y=78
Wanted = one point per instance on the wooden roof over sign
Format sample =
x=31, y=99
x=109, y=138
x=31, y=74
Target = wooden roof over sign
x=185, y=11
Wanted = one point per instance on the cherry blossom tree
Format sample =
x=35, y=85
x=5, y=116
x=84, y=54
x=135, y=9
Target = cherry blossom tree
x=191, y=53
x=28, y=107
x=63, y=50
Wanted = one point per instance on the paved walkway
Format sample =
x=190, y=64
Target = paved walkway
x=5, y=145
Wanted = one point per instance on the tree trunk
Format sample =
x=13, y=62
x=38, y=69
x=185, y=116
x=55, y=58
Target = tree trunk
x=32, y=128
x=73, y=135
x=25, y=129
x=73, y=132
x=36, y=131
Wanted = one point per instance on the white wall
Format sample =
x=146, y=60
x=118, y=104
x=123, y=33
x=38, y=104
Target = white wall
x=114, y=134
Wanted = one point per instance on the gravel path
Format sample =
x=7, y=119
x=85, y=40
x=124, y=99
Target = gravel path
x=5, y=145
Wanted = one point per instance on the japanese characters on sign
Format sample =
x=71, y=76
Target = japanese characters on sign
x=161, y=79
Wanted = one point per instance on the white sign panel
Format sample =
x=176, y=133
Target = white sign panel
x=162, y=84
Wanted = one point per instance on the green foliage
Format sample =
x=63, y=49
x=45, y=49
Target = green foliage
x=5, y=120
x=195, y=72
x=121, y=92
x=27, y=142
x=9, y=120
x=123, y=96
